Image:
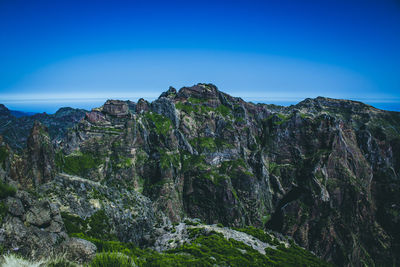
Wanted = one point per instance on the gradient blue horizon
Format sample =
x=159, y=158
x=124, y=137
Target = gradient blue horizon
x=80, y=53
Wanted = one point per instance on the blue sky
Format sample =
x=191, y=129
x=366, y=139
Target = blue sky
x=80, y=53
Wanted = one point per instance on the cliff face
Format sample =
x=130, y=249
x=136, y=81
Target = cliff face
x=324, y=171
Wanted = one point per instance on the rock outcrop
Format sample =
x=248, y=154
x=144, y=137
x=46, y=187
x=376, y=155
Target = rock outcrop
x=31, y=227
x=40, y=156
x=116, y=108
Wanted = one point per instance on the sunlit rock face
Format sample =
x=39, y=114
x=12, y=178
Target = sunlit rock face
x=324, y=171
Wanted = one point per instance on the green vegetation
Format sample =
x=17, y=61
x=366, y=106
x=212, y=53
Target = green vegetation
x=303, y=115
x=10, y=259
x=6, y=190
x=265, y=219
x=194, y=106
x=59, y=159
x=188, y=222
x=107, y=129
x=294, y=256
x=195, y=100
x=78, y=163
x=223, y=110
x=259, y=234
x=3, y=155
x=214, y=176
x=168, y=159
x=205, y=250
x=99, y=226
x=193, y=162
x=3, y=211
x=161, y=123
x=60, y=262
x=274, y=168
x=73, y=223
x=105, y=245
x=283, y=118
x=199, y=105
x=187, y=107
x=120, y=162
x=112, y=259
x=209, y=143
x=96, y=226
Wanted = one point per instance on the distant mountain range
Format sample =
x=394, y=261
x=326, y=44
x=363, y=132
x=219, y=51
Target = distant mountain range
x=19, y=114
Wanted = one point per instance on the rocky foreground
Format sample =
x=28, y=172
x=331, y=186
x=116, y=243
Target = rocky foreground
x=198, y=168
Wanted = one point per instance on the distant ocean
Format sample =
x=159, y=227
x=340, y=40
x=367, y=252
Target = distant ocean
x=387, y=106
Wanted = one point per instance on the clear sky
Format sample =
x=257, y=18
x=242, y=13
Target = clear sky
x=80, y=53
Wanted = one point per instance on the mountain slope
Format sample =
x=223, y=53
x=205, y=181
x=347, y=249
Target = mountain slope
x=324, y=171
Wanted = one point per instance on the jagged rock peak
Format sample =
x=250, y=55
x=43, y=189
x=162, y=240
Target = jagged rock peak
x=171, y=93
x=165, y=106
x=5, y=113
x=40, y=165
x=4, y=108
x=142, y=106
x=118, y=108
x=200, y=90
x=38, y=129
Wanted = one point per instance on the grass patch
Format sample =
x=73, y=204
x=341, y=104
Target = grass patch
x=78, y=164
x=161, y=123
x=193, y=162
x=96, y=226
x=259, y=234
x=60, y=262
x=196, y=100
x=112, y=259
x=4, y=153
x=294, y=256
x=6, y=190
x=169, y=159
x=204, y=250
x=186, y=107
x=223, y=110
x=73, y=223
x=100, y=226
x=209, y=144
x=188, y=222
x=120, y=162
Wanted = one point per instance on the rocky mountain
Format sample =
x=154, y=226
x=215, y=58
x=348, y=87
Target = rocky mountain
x=15, y=128
x=322, y=175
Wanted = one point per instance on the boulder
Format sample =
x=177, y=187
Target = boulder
x=80, y=250
x=15, y=206
x=39, y=214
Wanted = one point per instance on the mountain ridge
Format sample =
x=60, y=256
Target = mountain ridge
x=320, y=171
